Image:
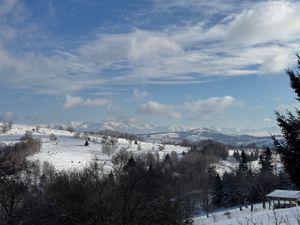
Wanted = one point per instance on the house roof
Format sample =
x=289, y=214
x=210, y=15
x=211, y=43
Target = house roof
x=287, y=194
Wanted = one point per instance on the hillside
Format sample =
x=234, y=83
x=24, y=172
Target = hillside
x=260, y=216
x=69, y=152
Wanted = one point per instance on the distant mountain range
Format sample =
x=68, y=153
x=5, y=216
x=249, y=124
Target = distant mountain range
x=197, y=135
x=176, y=133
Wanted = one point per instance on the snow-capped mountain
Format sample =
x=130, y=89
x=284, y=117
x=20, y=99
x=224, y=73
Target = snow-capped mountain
x=136, y=127
x=266, y=131
x=177, y=133
x=208, y=134
x=130, y=126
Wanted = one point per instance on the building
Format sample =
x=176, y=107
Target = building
x=284, y=198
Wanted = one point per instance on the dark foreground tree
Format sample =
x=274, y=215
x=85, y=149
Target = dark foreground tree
x=289, y=148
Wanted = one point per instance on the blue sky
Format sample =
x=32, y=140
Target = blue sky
x=187, y=62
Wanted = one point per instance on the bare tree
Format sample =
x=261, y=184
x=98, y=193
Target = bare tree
x=70, y=129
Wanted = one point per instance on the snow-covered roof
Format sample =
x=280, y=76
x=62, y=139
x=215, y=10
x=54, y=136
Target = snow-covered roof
x=287, y=194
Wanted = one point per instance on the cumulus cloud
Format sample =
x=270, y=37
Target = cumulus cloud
x=157, y=108
x=210, y=105
x=75, y=101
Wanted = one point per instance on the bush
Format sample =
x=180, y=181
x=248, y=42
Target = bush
x=53, y=137
x=28, y=135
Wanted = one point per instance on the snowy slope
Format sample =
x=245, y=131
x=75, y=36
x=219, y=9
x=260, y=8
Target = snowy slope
x=260, y=216
x=69, y=152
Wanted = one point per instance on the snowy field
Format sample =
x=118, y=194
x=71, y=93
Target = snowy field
x=69, y=152
x=259, y=216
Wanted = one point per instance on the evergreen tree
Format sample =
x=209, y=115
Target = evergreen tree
x=266, y=161
x=237, y=156
x=131, y=164
x=285, y=181
x=243, y=167
x=289, y=148
x=228, y=189
x=252, y=157
x=261, y=160
x=168, y=160
x=217, y=191
x=256, y=154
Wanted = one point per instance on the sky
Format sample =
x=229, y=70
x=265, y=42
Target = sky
x=192, y=63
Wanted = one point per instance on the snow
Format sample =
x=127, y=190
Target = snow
x=285, y=194
x=259, y=216
x=69, y=152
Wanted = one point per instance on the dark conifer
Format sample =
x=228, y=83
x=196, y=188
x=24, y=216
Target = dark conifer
x=243, y=167
x=289, y=148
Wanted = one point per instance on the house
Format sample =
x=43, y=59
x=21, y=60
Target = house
x=284, y=198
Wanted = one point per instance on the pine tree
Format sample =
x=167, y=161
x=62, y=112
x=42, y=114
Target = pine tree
x=285, y=181
x=256, y=154
x=252, y=157
x=237, y=156
x=217, y=192
x=131, y=164
x=289, y=148
x=265, y=160
x=268, y=160
x=168, y=160
x=227, y=189
x=243, y=167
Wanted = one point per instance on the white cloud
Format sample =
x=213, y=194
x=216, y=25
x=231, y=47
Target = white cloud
x=157, y=108
x=210, y=105
x=265, y=22
x=266, y=120
x=138, y=95
x=258, y=39
x=200, y=6
x=74, y=101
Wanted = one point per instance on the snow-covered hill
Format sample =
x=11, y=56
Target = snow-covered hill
x=69, y=152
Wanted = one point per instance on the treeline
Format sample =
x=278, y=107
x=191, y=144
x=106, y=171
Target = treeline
x=16, y=175
x=246, y=185
x=116, y=134
x=5, y=127
x=134, y=194
x=13, y=157
x=209, y=147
